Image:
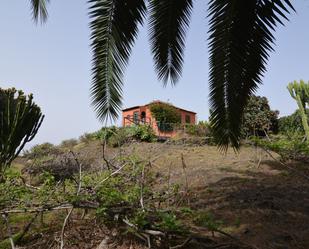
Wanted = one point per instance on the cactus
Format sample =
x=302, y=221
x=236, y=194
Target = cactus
x=300, y=92
x=20, y=119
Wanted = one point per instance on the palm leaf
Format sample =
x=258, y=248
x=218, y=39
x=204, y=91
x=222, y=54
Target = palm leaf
x=114, y=26
x=240, y=42
x=39, y=10
x=169, y=20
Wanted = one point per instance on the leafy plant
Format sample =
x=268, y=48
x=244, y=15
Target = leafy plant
x=166, y=115
x=170, y=223
x=41, y=150
x=288, y=147
x=143, y=133
x=200, y=129
x=20, y=120
x=292, y=123
x=258, y=118
x=207, y=220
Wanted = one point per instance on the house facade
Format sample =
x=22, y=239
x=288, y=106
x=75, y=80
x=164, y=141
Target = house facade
x=142, y=115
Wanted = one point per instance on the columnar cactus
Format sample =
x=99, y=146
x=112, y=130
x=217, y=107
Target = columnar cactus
x=20, y=119
x=300, y=92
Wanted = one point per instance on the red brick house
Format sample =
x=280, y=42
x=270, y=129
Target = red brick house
x=142, y=115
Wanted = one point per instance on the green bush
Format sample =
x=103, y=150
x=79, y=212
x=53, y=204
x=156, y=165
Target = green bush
x=288, y=147
x=166, y=115
x=200, y=129
x=292, y=123
x=40, y=151
x=120, y=136
x=143, y=133
x=105, y=133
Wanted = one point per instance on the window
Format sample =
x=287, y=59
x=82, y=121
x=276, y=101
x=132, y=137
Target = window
x=135, y=117
x=188, y=119
x=143, y=117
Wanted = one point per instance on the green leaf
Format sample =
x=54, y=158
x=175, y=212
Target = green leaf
x=241, y=38
x=169, y=20
x=39, y=10
x=114, y=26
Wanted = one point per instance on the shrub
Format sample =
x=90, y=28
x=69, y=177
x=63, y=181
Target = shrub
x=86, y=137
x=41, y=150
x=288, y=147
x=69, y=143
x=143, y=133
x=105, y=133
x=166, y=115
x=292, y=123
x=120, y=137
x=200, y=129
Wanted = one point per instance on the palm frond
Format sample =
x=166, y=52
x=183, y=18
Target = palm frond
x=39, y=10
x=114, y=26
x=169, y=20
x=240, y=42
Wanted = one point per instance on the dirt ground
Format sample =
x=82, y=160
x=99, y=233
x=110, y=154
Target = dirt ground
x=264, y=204
x=259, y=201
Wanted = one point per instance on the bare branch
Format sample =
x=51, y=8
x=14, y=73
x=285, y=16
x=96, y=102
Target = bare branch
x=5, y=217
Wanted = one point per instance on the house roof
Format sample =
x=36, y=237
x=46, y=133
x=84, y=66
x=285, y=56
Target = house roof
x=157, y=101
x=131, y=108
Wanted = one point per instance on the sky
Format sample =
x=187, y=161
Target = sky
x=53, y=61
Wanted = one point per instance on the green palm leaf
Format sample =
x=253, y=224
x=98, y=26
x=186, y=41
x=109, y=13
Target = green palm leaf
x=169, y=20
x=39, y=10
x=114, y=26
x=240, y=41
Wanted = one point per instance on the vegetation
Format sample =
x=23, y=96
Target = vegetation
x=258, y=118
x=115, y=198
x=288, y=147
x=241, y=37
x=20, y=119
x=40, y=151
x=166, y=115
x=201, y=129
x=300, y=92
x=235, y=71
x=292, y=123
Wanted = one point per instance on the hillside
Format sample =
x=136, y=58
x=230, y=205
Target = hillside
x=261, y=205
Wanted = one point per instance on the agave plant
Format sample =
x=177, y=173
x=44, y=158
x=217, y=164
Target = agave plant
x=20, y=119
x=241, y=38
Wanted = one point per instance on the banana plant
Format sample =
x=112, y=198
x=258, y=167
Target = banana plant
x=20, y=120
x=300, y=92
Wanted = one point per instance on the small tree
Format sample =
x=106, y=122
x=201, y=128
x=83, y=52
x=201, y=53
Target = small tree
x=20, y=119
x=259, y=118
x=300, y=92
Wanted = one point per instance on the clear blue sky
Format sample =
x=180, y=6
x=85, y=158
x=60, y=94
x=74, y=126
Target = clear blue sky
x=53, y=61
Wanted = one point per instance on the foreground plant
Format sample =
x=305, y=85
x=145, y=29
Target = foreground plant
x=20, y=119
